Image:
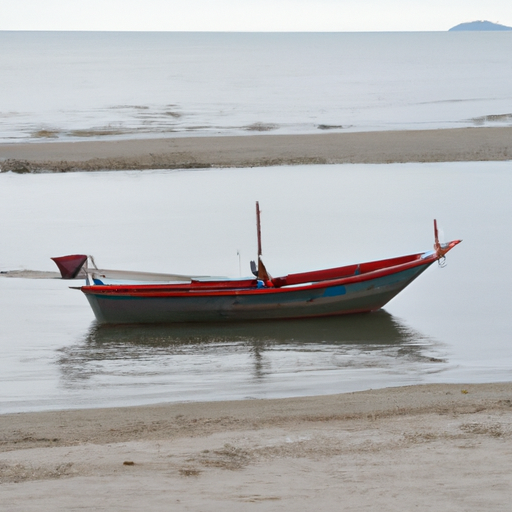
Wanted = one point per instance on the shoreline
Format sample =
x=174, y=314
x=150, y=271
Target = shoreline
x=441, y=145
x=423, y=447
x=88, y=425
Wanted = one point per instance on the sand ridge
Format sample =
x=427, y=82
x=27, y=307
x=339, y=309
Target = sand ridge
x=447, y=145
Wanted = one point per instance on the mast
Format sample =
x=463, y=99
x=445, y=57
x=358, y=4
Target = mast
x=258, y=227
x=263, y=275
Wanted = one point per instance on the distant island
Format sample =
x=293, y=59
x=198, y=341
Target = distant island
x=479, y=25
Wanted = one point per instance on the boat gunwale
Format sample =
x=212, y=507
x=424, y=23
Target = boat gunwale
x=186, y=290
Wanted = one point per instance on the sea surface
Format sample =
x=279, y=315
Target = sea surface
x=111, y=85
x=452, y=324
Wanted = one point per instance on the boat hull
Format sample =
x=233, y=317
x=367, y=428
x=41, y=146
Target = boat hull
x=337, y=297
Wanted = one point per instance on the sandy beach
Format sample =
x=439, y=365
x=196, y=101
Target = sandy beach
x=432, y=447
x=451, y=145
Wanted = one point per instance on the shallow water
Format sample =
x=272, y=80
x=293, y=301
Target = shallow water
x=108, y=85
x=451, y=325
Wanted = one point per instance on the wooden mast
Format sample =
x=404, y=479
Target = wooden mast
x=258, y=227
x=262, y=271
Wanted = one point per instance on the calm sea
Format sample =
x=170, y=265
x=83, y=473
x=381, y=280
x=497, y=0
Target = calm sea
x=453, y=324
x=92, y=85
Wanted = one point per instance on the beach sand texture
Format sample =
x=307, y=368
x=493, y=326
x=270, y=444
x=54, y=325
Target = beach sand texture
x=433, y=447
x=452, y=145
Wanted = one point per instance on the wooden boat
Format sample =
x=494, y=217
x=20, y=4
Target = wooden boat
x=358, y=288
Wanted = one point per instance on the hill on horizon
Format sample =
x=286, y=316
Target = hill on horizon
x=479, y=25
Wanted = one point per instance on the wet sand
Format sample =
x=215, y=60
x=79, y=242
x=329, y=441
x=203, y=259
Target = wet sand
x=432, y=447
x=453, y=145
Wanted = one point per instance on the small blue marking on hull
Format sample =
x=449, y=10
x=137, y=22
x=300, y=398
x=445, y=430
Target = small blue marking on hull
x=335, y=291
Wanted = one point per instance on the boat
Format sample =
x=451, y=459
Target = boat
x=350, y=289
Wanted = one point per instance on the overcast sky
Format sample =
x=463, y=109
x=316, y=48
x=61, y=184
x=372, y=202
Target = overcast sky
x=249, y=15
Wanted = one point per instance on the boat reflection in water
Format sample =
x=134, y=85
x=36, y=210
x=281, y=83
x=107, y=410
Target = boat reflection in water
x=275, y=358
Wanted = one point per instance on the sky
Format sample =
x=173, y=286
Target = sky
x=250, y=15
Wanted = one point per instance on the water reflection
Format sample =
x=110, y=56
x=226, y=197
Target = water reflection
x=200, y=355
x=379, y=327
